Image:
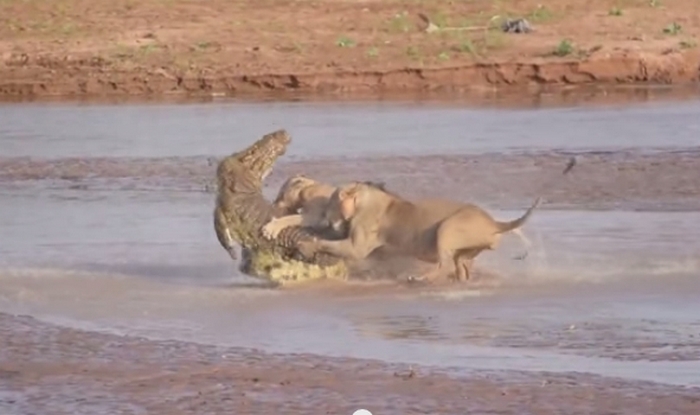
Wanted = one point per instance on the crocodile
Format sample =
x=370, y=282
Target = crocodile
x=241, y=211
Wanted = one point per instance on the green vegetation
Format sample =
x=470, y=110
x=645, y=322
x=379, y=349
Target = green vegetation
x=564, y=48
x=412, y=52
x=400, y=23
x=345, y=42
x=673, y=29
x=540, y=14
x=687, y=44
x=467, y=46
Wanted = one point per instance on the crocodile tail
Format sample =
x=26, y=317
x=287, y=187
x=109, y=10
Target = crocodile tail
x=514, y=224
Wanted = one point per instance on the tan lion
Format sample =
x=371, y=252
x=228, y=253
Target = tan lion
x=443, y=232
x=303, y=201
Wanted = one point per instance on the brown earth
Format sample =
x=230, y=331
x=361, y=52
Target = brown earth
x=46, y=369
x=117, y=47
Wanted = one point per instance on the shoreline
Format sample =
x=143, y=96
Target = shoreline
x=546, y=96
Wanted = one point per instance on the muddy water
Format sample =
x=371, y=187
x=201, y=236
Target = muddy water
x=105, y=226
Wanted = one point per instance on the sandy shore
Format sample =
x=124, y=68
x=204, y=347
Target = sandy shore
x=124, y=47
x=104, y=373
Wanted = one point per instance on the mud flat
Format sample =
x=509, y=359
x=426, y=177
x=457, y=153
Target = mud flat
x=109, y=373
x=153, y=47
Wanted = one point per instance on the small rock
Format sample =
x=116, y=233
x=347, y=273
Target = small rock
x=516, y=26
x=405, y=376
x=164, y=73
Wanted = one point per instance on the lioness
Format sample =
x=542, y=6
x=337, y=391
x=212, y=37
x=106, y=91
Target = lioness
x=303, y=200
x=447, y=233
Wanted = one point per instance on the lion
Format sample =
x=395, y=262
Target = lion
x=443, y=232
x=303, y=201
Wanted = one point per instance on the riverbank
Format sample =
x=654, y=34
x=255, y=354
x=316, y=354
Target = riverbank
x=158, y=47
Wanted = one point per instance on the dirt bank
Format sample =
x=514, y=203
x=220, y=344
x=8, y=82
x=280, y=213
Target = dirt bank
x=51, y=370
x=117, y=47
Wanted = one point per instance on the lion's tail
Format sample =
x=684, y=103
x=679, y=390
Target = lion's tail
x=515, y=224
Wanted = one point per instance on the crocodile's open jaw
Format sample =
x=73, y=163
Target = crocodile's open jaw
x=261, y=156
x=256, y=161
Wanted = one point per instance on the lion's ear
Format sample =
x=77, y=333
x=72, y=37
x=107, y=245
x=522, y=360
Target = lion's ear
x=347, y=192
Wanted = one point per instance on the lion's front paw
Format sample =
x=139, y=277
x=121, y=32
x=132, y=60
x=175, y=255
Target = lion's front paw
x=271, y=229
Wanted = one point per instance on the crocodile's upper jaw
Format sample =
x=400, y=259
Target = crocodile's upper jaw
x=260, y=157
x=245, y=170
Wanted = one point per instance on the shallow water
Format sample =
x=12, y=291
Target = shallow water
x=320, y=129
x=610, y=292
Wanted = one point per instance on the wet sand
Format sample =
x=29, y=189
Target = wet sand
x=107, y=306
x=51, y=370
x=660, y=180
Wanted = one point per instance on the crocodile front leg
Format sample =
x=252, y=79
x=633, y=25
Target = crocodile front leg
x=223, y=233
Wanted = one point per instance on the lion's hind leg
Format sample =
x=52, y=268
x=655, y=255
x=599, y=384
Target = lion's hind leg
x=442, y=269
x=463, y=262
x=463, y=236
